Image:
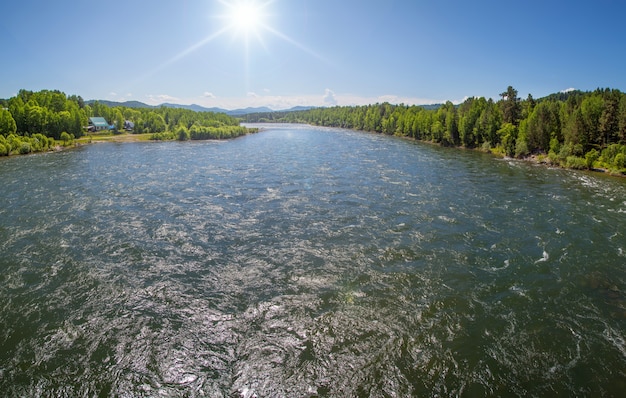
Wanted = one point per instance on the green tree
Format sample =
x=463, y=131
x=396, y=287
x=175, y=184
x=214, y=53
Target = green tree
x=543, y=124
x=182, y=134
x=119, y=120
x=575, y=131
x=508, y=137
x=66, y=138
x=608, y=127
x=451, y=135
x=510, y=105
x=528, y=106
x=621, y=122
x=489, y=123
x=591, y=109
x=7, y=123
x=36, y=118
x=469, y=117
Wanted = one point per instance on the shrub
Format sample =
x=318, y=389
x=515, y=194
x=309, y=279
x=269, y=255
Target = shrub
x=499, y=151
x=25, y=148
x=566, y=151
x=521, y=148
x=182, y=133
x=162, y=136
x=555, y=145
x=610, y=153
x=591, y=157
x=13, y=142
x=575, y=162
x=578, y=150
x=66, y=138
x=553, y=157
x=620, y=161
x=4, y=151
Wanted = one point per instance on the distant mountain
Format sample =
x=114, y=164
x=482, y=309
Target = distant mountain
x=299, y=108
x=239, y=112
x=127, y=104
x=562, y=96
x=196, y=108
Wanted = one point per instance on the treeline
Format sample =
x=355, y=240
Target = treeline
x=39, y=121
x=174, y=123
x=573, y=129
x=202, y=132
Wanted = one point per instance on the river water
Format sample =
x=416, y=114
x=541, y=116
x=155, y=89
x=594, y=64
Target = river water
x=303, y=262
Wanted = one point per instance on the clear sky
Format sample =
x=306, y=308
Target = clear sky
x=310, y=52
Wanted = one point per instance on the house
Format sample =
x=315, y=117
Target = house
x=128, y=125
x=98, y=124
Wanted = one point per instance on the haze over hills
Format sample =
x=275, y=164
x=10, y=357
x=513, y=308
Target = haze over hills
x=196, y=108
x=560, y=96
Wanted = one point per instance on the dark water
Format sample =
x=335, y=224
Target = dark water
x=300, y=262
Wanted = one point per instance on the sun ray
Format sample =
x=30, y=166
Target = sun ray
x=183, y=53
x=295, y=43
x=246, y=20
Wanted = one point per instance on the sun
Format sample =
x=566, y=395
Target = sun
x=245, y=17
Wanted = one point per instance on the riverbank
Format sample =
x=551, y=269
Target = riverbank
x=538, y=159
x=126, y=137
x=544, y=160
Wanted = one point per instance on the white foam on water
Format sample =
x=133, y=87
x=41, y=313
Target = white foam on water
x=616, y=339
x=545, y=257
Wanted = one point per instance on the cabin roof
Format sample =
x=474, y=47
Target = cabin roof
x=98, y=121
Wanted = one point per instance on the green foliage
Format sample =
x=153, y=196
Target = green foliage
x=162, y=136
x=47, y=112
x=40, y=142
x=555, y=145
x=198, y=132
x=39, y=118
x=521, y=148
x=4, y=151
x=66, y=138
x=182, y=133
x=25, y=148
x=575, y=162
x=553, y=157
x=566, y=150
x=613, y=157
x=543, y=124
x=510, y=104
x=7, y=123
x=620, y=161
x=591, y=157
x=508, y=136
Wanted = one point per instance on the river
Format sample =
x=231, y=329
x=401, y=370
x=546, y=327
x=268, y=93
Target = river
x=302, y=262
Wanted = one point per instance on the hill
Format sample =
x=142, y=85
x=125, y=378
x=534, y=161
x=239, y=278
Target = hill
x=195, y=107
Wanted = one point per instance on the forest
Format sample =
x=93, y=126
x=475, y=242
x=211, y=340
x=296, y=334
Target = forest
x=574, y=129
x=40, y=121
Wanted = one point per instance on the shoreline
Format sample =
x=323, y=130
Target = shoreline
x=537, y=159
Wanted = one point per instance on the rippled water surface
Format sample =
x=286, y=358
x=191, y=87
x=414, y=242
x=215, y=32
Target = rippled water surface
x=305, y=262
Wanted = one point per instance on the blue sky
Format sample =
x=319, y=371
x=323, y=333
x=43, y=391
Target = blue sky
x=310, y=52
